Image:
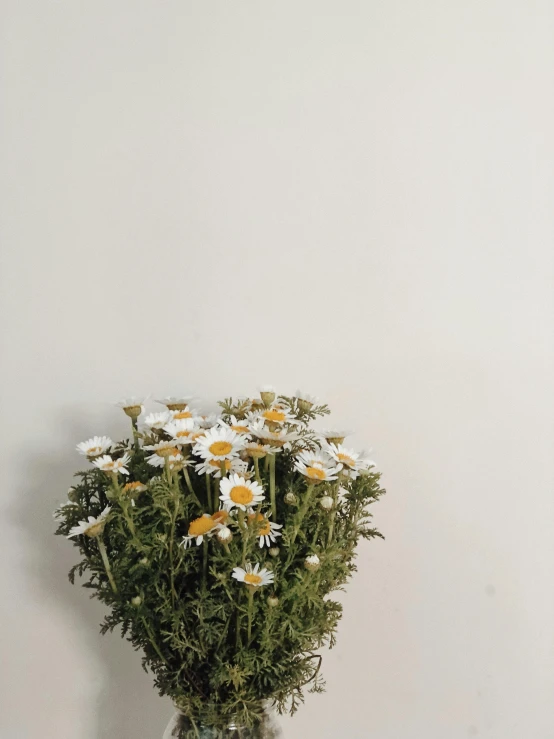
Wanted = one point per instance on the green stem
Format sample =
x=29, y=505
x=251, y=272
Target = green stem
x=153, y=641
x=106, y=561
x=250, y=610
x=302, y=512
x=257, y=470
x=204, y=564
x=333, y=514
x=135, y=433
x=272, y=486
x=188, y=481
x=209, y=491
x=244, y=533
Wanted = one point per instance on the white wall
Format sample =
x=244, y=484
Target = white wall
x=351, y=197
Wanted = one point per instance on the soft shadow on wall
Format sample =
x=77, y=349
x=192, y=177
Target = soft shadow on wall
x=125, y=704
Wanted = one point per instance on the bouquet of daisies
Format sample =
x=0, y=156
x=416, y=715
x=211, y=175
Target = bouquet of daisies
x=215, y=542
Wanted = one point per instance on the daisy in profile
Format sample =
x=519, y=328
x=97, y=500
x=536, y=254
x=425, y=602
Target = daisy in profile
x=205, y=526
x=167, y=454
x=175, y=403
x=253, y=576
x=219, y=444
x=257, y=451
x=95, y=447
x=184, y=414
x=238, y=492
x=348, y=460
x=318, y=471
x=93, y=527
x=305, y=400
x=157, y=420
x=213, y=467
x=181, y=430
x=267, y=531
x=239, y=427
x=334, y=436
x=275, y=438
x=311, y=459
x=132, y=406
x=117, y=466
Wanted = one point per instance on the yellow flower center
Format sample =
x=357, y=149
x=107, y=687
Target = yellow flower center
x=241, y=494
x=167, y=451
x=182, y=434
x=176, y=406
x=133, y=486
x=315, y=473
x=219, y=448
x=240, y=429
x=259, y=518
x=182, y=414
x=220, y=516
x=94, y=451
x=346, y=459
x=252, y=579
x=95, y=529
x=201, y=526
x=274, y=415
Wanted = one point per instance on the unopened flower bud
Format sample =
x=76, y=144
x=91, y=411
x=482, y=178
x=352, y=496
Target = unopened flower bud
x=312, y=562
x=144, y=561
x=72, y=495
x=268, y=396
x=274, y=552
x=136, y=601
x=273, y=601
x=326, y=502
x=304, y=405
x=224, y=534
x=290, y=498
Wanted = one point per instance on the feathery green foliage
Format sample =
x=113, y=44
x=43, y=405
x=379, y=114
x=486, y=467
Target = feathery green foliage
x=223, y=650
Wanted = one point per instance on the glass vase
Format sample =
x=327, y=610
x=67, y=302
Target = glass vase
x=182, y=727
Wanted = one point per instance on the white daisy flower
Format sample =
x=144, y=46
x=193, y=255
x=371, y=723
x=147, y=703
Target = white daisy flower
x=107, y=464
x=176, y=403
x=181, y=430
x=317, y=472
x=275, y=438
x=213, y=467
x=253, y=576
x=238, y=492
x=132, y=406
x=268, y=531
x=276, y=414
x=184, y=414
x=347, y=459
x=206, y=422
x=326, y=502
x=310, y=458
x=95, y=447
x=334, y=436
x=224, y=534
x=93, y=527
x=267, y=389
x=169, y=454
x=205, y=526
x=312, y=562
x=219, y=443
x=305, y=400
x=157, y=420
x=239, y=427
x=256, y=450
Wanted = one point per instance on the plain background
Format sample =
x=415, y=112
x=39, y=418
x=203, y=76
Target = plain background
x=350, y=197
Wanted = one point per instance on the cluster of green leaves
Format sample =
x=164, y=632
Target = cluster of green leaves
x=220, y=654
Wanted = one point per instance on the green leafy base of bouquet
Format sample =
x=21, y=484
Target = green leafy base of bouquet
x=223, y=649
